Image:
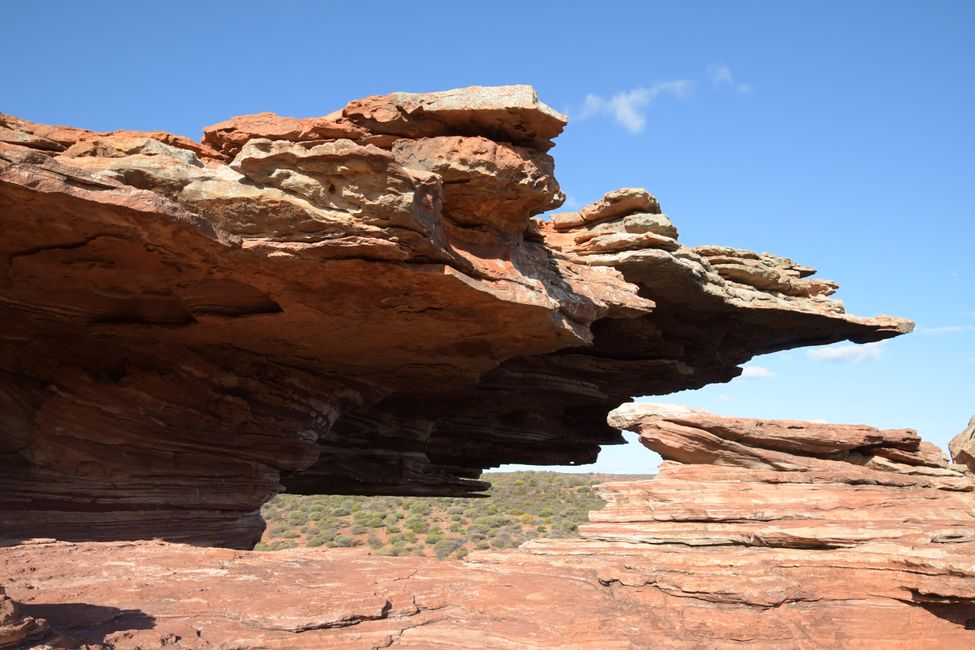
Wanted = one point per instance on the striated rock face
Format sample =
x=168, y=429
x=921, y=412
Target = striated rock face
x=773, y=534
x=788, y=534
x=364, y=302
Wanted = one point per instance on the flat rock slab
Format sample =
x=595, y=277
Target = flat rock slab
x=155, y=594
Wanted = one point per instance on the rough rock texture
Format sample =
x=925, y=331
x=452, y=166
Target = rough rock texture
x=761, y=533
x=361, y=303
x=962, y=446
x=790, y=534
x=16, y=628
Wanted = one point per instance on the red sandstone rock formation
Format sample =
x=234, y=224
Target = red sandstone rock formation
x=363, y=302
x=770, y=534
x=16, y=629
x=962, y=446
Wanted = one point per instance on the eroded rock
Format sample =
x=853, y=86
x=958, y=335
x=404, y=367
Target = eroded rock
x=962, y=446
x=356, y=303
x=16, y=629
x=823, y=550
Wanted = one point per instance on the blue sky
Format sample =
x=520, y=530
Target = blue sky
x=838, y=134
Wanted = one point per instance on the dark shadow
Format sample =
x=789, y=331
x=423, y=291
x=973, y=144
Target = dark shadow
x=86, y=623
x=961, y=614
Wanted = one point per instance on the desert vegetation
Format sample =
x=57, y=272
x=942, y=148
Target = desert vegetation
x=520, y=506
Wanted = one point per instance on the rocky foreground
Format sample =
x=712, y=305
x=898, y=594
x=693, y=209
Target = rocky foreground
x=359, y=303
x=774, y=534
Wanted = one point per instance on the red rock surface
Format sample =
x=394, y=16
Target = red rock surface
x=16, y=628
x=768, y=534
x=962, y=446
x=364, y=302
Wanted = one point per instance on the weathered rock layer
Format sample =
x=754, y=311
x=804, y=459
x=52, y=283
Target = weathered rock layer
x=363, y=302
x=771, y=534
x=788, y=534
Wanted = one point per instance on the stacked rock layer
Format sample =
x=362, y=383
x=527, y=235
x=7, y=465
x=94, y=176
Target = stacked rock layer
x=768, y=534
x=364, y=302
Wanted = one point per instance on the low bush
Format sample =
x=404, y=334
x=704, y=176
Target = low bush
x=522, y=505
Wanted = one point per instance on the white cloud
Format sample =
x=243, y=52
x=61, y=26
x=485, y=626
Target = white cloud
x=629, y=108
x=720, y=75
x=949, y=329
x=725, y=398
x=848, y=352
x=756, y=372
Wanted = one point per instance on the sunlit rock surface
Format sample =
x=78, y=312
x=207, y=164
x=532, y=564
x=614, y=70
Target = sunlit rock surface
x=16, y=628
x=962, y=446
x=768, y=534
x=365, y=302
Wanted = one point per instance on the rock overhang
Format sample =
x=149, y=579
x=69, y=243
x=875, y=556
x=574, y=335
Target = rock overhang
x=365, y=302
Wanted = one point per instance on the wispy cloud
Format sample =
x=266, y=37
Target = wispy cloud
x=629, y=108
x=948, y=329
x=720, y=75
x=756, y=372
x=849, y=353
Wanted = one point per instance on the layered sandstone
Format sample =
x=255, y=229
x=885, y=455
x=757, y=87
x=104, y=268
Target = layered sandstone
x=788, y=534
x=770, y=534
x=365, y=302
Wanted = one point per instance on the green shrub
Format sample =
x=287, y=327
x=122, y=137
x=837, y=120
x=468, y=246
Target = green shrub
x=417, y=524
x=477, y=529
x=445, y=547
x=502, y=541
x=521, y=506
